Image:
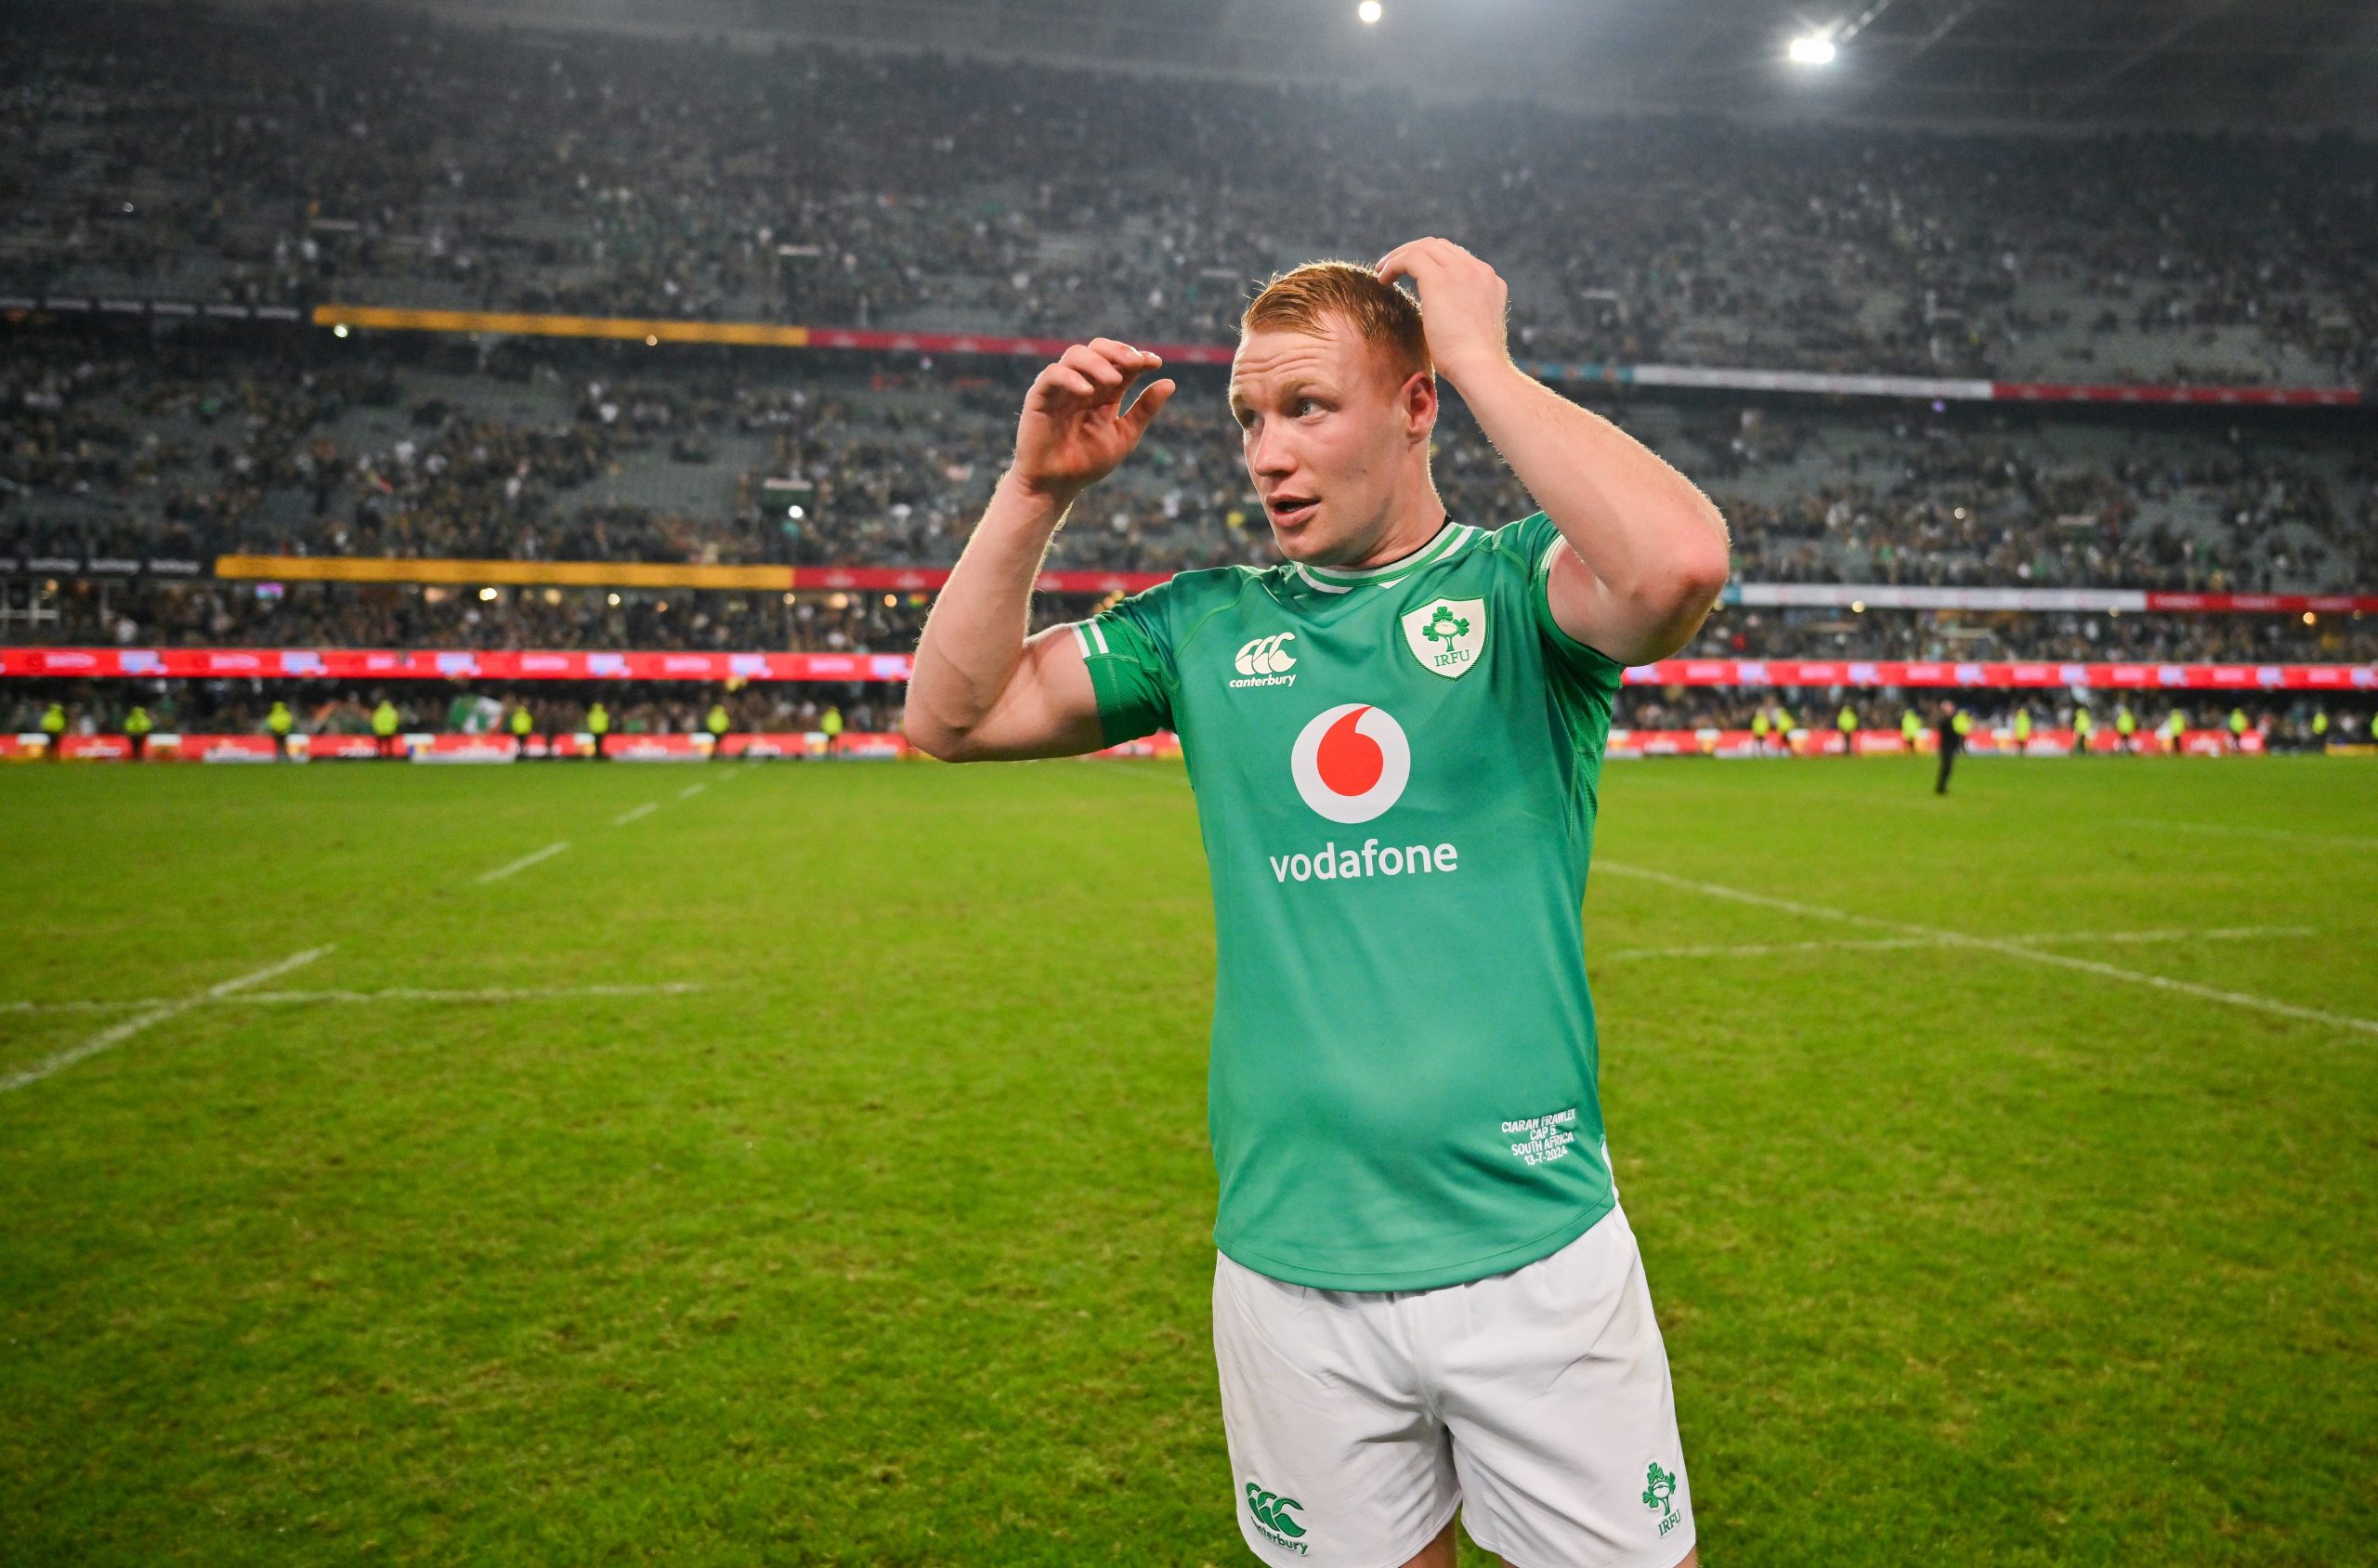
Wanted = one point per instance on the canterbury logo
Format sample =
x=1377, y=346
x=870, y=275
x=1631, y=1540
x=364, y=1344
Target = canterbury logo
x=1270, y=1510
x=1265, y=655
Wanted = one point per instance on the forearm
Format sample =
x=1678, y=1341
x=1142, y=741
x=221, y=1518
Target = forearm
x=975, y=637
x=1644, y=529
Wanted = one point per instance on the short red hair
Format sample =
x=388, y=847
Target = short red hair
x=1303, y=297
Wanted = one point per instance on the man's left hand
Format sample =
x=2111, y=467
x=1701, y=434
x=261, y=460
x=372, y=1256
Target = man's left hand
x=1462, y=304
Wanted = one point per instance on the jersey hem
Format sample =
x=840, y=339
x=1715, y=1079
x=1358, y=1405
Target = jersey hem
x=1503, y=1261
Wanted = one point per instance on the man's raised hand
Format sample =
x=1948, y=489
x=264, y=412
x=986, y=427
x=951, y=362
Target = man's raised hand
x=1462, y=304
x=1075, y=428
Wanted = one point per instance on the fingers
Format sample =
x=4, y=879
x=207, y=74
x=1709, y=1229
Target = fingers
x=1089, y=374
x=1140, y=414
x=1408, y=260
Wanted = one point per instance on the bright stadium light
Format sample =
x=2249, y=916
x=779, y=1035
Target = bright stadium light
x=1368, y=13
x=1814, y=48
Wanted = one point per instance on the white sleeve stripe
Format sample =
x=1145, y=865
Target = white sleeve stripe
x=1081, y=637
x=1550, y=551
x=1099, y=636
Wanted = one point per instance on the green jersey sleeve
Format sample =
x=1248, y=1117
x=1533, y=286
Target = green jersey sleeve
x=1129, y=650
x=1538, y=540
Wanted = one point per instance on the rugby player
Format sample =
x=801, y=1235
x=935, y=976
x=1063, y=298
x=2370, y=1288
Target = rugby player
x=1427, y=1298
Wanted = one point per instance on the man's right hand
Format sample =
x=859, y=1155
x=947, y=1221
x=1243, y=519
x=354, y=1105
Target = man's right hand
x=1075, y=428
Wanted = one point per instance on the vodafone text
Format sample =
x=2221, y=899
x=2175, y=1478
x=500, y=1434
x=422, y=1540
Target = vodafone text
x=1331, y=864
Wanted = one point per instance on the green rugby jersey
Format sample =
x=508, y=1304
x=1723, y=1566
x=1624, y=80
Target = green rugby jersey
x=1396, y=772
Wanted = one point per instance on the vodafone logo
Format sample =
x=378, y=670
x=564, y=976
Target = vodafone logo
x=1350, y=761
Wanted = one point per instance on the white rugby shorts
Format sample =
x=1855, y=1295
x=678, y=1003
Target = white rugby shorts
x=1536, y=1401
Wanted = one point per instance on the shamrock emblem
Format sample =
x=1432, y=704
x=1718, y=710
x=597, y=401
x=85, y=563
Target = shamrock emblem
x=1658, y=1488
x=1445, y=625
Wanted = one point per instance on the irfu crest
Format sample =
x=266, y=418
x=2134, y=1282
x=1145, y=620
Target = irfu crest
x=1447, y=636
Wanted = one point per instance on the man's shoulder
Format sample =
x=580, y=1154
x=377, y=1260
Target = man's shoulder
x=1523, y=540
x=1198, y=593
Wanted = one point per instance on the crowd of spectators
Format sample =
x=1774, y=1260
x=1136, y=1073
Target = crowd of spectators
x=407, y=616
x=187, y=446
x=384, y=156
x=241, y=707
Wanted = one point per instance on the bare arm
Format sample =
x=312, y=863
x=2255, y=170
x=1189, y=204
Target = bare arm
x=1647, y=551
x=982, y=690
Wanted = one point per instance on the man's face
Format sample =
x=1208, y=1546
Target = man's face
x=1329, y=434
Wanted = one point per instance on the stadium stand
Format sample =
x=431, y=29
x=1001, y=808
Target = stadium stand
x=163, y=151
x=418, y=163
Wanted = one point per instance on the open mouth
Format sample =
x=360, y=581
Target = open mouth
x=1292, y=509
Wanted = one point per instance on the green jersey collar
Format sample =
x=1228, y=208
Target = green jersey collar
x=1447, y=542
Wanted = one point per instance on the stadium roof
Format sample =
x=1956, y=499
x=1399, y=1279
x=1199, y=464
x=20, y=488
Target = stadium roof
x=2035, y=63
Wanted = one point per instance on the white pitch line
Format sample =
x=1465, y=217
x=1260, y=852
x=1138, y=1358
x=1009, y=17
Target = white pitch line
x=2242, y=830
x=689, y=791
x=117, y=1005
x=1998, y=944
x=1885, y=944
x=392, y=993
x=2215, y=933
x=486, y=993
x=116, y=1034
x=646, y=809
x=525, y=861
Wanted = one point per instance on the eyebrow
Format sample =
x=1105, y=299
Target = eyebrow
x=1302, y=384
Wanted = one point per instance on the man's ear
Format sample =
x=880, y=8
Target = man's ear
x=1418, y=399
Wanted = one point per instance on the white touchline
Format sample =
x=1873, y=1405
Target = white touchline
x=116, y=1034
x=1996, y=944
x=524, y=862
x=689, y=791
x=623, y=818
x=1884, y=944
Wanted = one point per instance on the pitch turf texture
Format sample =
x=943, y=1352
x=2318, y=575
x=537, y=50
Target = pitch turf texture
x=884, y=1238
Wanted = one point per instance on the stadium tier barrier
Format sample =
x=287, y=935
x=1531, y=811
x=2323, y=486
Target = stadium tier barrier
x=344, y=319
x=453, y=571
x=796, y=745
x=348, y=317
x=468, y=572
x=441, y=664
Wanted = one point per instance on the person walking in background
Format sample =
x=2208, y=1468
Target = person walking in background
x=137, y=726
x=1911, y=730
x=2174, y=726
x=2023, y=731
x=716, y=722
x=2082, y=725
x=598, y=725
x=277, y=724
x=2236, y=730
x=2125, y=729
x=523, y=726
x=832, y=725
x=1950, y=742
x=1848, y=724
x=384, y=729
x=1758, y=729
x=53, y=725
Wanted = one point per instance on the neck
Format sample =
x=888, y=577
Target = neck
x=1413, y=520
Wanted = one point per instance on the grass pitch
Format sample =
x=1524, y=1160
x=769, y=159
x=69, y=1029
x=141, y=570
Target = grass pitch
x=866, y=1220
